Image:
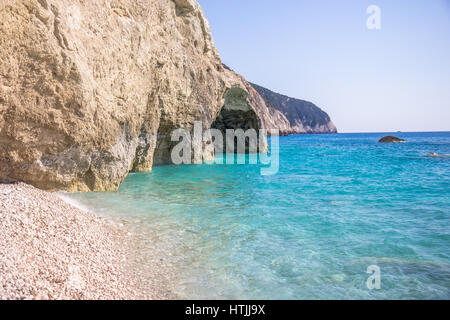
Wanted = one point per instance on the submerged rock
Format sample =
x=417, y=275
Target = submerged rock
x=391, y=139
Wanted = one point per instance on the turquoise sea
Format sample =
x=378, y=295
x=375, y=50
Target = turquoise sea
x=339, y=204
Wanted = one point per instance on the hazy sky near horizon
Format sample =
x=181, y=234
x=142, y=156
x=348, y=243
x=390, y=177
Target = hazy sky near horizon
x=393, y=79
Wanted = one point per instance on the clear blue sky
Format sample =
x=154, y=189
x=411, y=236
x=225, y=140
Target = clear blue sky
x=395, y=78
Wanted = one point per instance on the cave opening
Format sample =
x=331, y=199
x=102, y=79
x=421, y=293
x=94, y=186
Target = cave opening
x=164, y=143
x=237, y=114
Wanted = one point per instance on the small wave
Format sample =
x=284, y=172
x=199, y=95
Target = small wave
x=67, y=199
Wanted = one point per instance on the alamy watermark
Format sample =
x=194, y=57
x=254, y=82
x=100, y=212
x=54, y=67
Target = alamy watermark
x=374, y=20
x=211, y=146
x=374, y=281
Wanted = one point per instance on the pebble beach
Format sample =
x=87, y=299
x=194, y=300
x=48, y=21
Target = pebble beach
x=50, y=249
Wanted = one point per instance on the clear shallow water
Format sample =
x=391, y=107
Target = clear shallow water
x=338, y=204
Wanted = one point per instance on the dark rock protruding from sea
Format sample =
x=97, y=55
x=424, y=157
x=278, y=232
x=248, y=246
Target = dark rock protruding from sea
x=391, y=139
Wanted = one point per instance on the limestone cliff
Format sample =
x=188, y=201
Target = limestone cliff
x=288, y=115
x=91, y=90
x=270, y=117
x=303, y=116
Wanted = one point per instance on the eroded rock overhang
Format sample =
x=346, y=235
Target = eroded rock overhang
x=92, y=91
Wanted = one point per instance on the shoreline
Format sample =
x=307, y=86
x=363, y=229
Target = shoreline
x=52, y=248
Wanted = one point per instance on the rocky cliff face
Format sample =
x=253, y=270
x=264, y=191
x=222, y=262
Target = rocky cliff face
x=90, y=90
x=303, y=116
x=269, y=116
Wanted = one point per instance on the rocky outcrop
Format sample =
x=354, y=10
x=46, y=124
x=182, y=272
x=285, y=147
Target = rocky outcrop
x=391, y=139
x=92, y=90
x=270, y=118
x=302, y=116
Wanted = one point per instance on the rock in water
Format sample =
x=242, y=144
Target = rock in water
x=391, y=139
